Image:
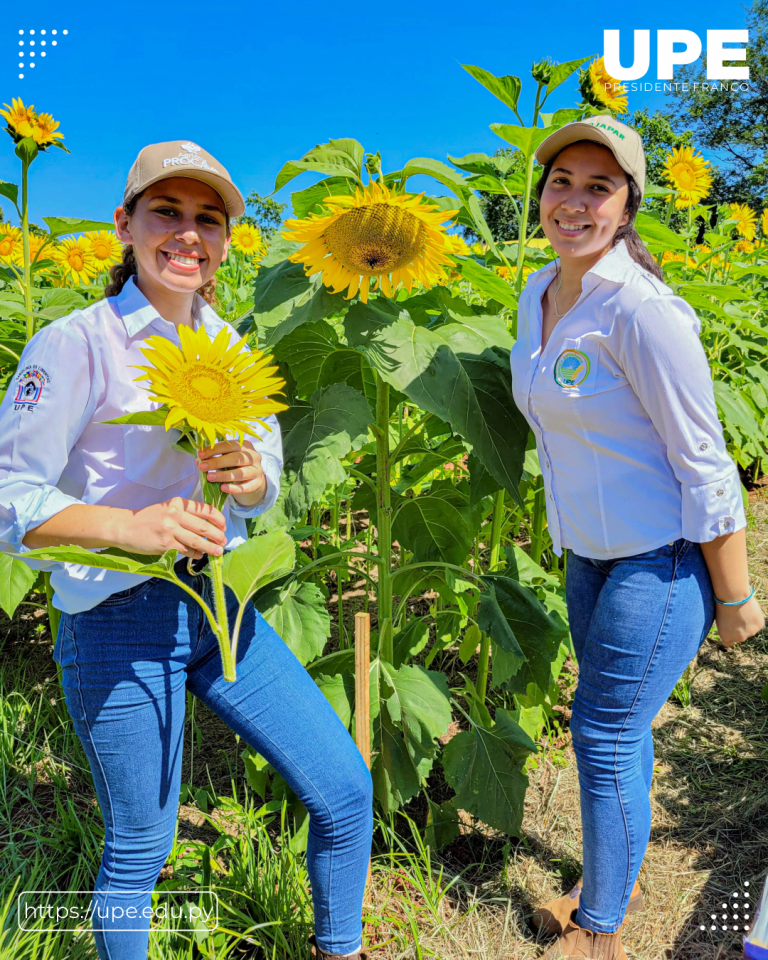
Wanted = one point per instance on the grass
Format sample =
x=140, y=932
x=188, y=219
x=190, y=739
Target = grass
x=709, y=834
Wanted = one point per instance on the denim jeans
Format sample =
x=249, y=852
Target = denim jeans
x=636, y=622
x=127, y=665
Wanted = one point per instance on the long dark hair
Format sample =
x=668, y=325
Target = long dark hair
x=120, y=272
x=637, y=249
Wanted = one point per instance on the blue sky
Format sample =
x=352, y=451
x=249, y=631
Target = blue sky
x=258, y=84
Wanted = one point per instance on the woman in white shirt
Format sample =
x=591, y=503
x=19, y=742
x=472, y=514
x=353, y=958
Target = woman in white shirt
x=611, y=376
x=130, y=647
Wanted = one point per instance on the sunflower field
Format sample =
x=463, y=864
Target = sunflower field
x=411, y=488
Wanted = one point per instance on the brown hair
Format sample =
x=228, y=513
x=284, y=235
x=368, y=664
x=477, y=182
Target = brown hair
x=637, y=249
x=120, y=272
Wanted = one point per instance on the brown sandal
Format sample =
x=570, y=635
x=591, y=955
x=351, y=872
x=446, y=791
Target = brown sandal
x=551, y=919
x=318, y=954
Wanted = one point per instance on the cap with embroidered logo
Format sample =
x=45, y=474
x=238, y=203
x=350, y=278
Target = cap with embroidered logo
x=182, y=158
x=623, y=142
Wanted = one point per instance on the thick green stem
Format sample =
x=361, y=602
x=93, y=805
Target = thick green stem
x=30, y=320
x=537, y=534
x=484, y=661
x=523, y=222
x=216, y=565
x=496, y=527
x=384, y=521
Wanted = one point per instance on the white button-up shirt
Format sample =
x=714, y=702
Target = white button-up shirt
x=622, y=407
x=55, y=449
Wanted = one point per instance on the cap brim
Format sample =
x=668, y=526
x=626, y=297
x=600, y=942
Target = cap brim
x=571, y=133
x=233, y=199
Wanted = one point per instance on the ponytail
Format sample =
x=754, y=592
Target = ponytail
x=121, y=272
x=635, y=246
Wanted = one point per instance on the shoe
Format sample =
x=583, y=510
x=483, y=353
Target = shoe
x=318, y=954
x=550, y=920
x=576, y=943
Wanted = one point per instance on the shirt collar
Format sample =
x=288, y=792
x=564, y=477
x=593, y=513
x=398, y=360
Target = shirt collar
x=137, y=312
x=614, y=266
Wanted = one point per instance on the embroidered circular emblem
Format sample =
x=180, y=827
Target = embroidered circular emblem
x=571, y=368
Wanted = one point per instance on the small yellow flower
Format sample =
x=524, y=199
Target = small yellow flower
x=105, y=247
x=744, y=246
x=458, y=246
x=76, y=260
x=503, y=272
x=601, y=89
x=25, y=122
x=747, y=220
x=11, y=245
x=35, y=246
x=687, y=172
x=479, y=249
x=19, y=119
x=538, y=243
x=764, y=223
x=213, y=386
x=44, y=130
x=247, y=239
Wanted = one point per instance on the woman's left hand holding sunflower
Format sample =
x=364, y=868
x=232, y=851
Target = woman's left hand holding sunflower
x=237, y=467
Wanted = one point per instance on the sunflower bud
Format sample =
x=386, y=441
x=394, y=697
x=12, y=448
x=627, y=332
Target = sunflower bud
x=373, y=164
x=542, y=71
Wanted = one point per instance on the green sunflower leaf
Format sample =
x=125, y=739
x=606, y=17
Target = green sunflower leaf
x=16, y=579
x=526, y=139
x=485, y=768
x=257, y=562
x=507, y=89
x=298, y=613
x=62, y=226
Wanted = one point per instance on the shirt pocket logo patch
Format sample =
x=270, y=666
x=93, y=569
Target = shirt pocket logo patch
x=571, y=369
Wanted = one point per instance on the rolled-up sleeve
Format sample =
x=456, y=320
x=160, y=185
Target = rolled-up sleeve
x=664, y=361
x=270, y=446
x=41, y=417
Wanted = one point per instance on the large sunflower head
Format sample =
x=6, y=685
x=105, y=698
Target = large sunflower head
x=11, y=245
x=105, y=247
x=76, y=260
x=687, y=172
x=213, y=386
x=746, y=218
x=247, y=239
x=377, y=235
x=600, y=89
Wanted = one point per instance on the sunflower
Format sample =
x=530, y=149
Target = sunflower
x=105, y=247
x=247, y=239
x=458, y=246
x=76, y=259
x=747, y=220
x=600, y=89
x=687, y=172
x=11, y=245
x=25, y=122
x=19, y=119
x=214, y=387
x=44, y=130
x=764, y=223
x=36, y=242
x=394, y=238
x=744, y=246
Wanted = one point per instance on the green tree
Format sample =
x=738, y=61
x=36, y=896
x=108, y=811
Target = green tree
x=733, y=124
x=267, y=213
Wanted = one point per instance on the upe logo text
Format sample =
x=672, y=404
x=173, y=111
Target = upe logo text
x=667, y=57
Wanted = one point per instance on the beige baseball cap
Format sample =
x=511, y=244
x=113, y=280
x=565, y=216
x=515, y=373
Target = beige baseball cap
x=182, y=158
x=623, y=142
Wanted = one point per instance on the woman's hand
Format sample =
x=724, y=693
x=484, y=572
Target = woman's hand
x=190, y=527
x=737, y=624
x=237, y=468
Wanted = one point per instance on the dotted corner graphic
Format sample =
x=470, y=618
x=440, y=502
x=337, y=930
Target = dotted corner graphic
x=736, y=912
x=40, y=39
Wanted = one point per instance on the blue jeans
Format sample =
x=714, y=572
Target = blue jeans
x=127, y=665
x=637, y=622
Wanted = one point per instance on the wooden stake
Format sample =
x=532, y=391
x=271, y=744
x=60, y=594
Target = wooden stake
x=363, y=694
x=362, y=685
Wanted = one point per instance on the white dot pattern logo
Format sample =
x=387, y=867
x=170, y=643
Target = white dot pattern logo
x=31, y=54
x=738, y=902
